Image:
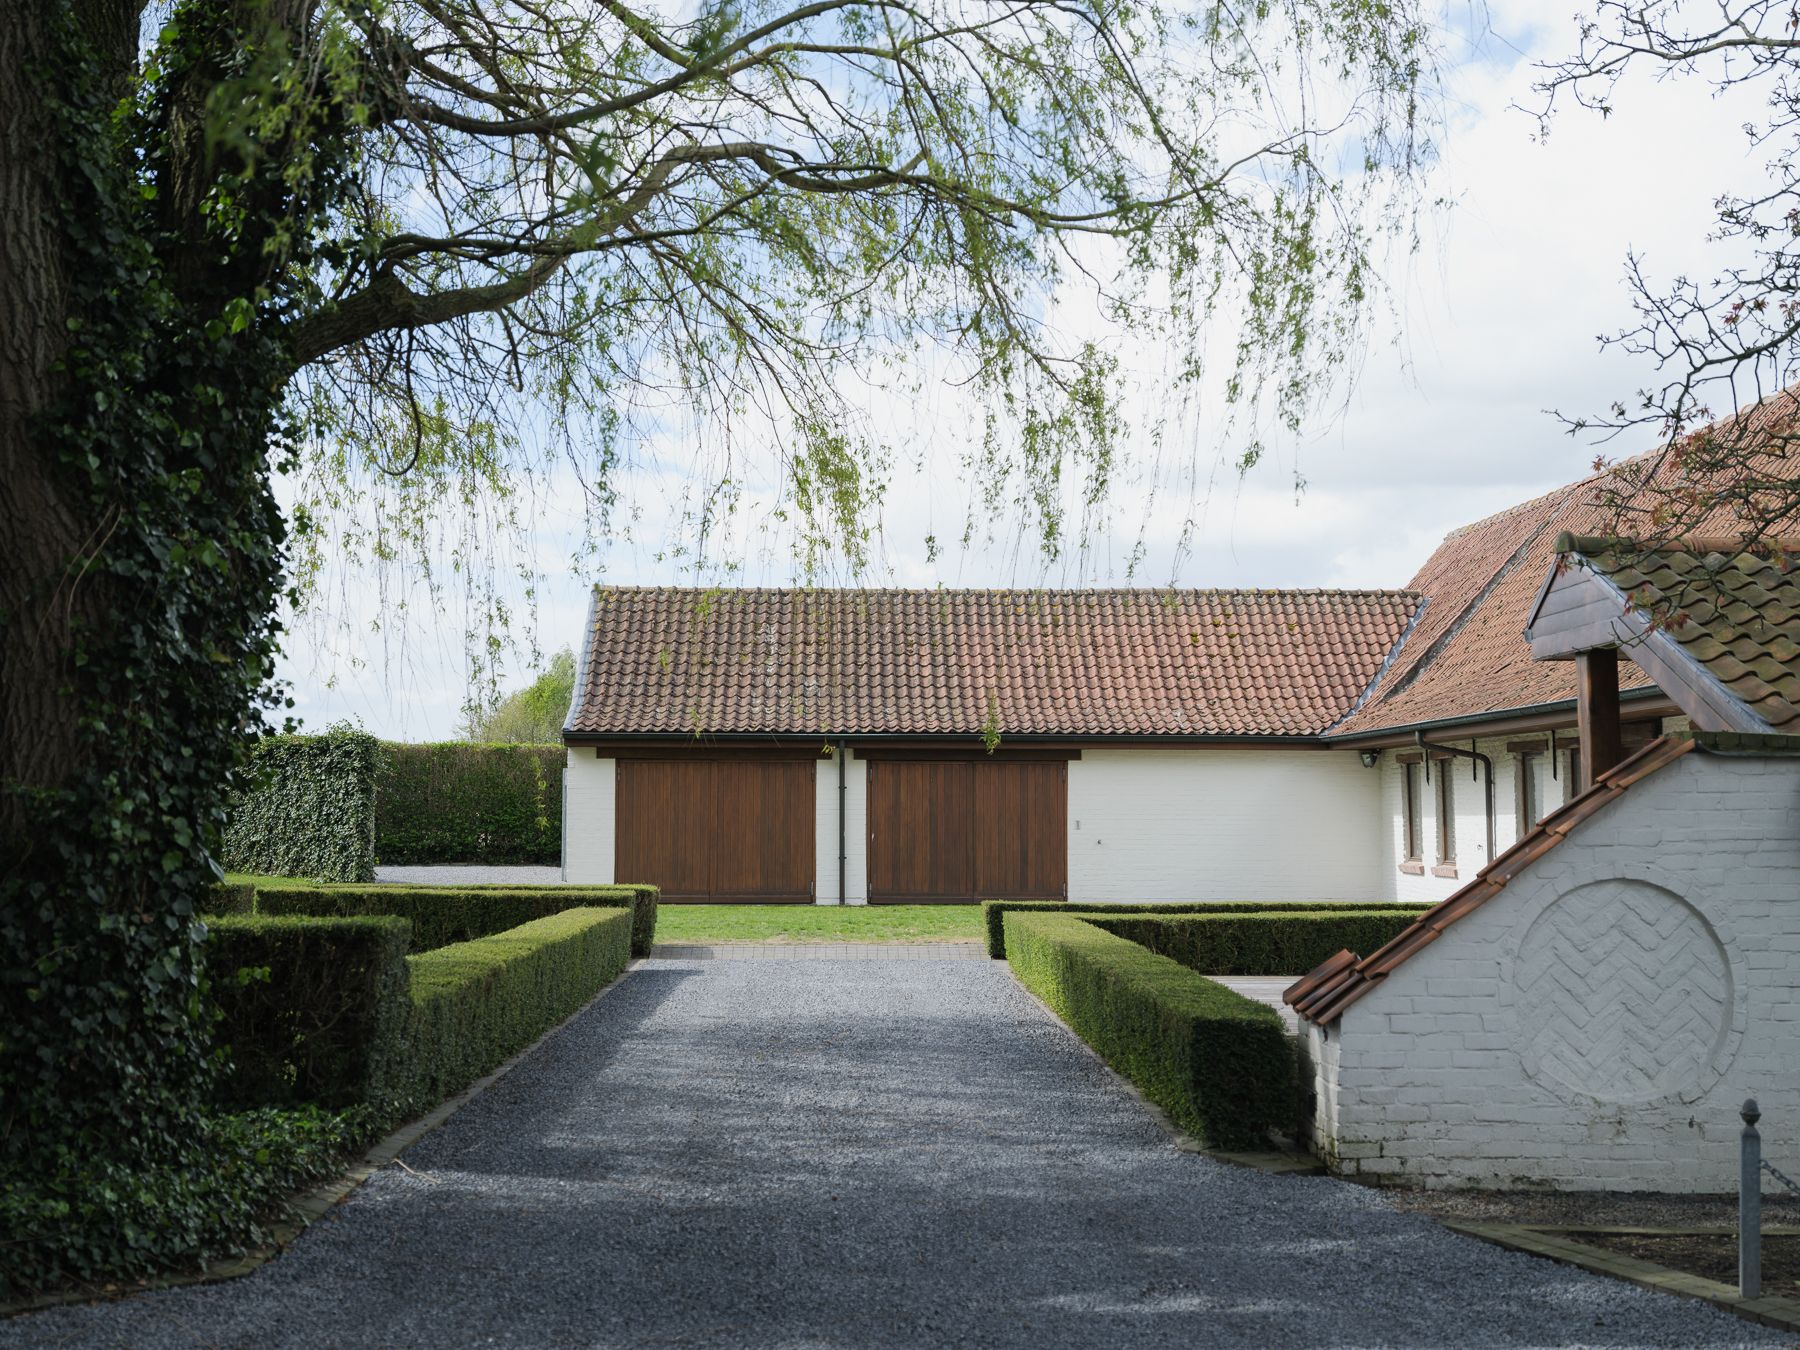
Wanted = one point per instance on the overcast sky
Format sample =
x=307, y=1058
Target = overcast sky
x=1501, y=314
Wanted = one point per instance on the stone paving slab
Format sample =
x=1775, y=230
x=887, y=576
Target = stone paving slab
x=470, y=874
x=1265, y=989
x=838, y=1155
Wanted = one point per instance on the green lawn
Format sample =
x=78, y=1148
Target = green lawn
x=783, y=923
x=819, y=923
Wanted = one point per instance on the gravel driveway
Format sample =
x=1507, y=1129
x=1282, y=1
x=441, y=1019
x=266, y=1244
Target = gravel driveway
x=860, y=1154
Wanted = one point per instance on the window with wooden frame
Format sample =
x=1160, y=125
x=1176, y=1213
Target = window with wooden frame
x=1410, y=810
x=1572, y=788
x=1446, y=816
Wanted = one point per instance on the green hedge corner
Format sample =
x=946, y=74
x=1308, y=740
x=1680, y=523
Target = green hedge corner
x=331, y=1010
x=1220, y=1064
x=311, y=1010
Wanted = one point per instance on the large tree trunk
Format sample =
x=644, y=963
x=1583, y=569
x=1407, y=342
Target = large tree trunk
x=39, y=532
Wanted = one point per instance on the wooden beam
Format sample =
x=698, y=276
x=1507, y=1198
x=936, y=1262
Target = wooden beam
x=1597, y=712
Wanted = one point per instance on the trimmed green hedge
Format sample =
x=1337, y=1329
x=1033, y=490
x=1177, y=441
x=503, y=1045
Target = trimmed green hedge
x=231, y=897
x=993, y=912
x=1280, y=942
x=478, y=1002
x=333, y=1010
x=306, y=808
x=441, y=915
x=455, y=802
x=310, y=1009
x=1220, y=1064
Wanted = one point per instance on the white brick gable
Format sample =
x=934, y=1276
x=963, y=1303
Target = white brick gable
x=1599, y=1022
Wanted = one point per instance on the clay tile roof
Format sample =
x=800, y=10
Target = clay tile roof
x=1468, y=655
x=1322, y=995
x=940, y=662
x=1736, y=614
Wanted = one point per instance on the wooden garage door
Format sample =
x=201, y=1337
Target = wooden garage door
x=964, y=830
x=720, y=830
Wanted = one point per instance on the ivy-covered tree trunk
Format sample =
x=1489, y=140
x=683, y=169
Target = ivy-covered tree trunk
x=139, y=566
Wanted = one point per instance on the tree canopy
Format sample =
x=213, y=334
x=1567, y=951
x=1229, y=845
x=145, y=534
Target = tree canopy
x=533, y=715
x=579, y=230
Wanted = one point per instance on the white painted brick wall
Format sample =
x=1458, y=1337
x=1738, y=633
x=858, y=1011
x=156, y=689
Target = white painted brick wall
x=1495, y=1056
x=856, y=831
x=588, y=788
x=1223, y=824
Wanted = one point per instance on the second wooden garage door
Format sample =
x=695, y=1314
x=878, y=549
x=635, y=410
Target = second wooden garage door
x=959, y=830
x=721, y=830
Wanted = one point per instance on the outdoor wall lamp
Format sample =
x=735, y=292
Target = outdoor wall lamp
x=1371, y=758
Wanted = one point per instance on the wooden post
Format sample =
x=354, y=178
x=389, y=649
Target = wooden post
x=1597, y=712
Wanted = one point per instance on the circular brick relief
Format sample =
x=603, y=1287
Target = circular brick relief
x=1622, y=993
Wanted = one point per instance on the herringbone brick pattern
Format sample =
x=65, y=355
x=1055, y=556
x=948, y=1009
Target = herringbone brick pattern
x=1623, y=992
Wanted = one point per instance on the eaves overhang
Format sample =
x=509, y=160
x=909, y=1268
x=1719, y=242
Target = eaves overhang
x=1645, y=700
x=855, y=738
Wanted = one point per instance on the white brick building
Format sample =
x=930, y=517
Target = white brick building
x=1590, y=1010
x=1595, y=1022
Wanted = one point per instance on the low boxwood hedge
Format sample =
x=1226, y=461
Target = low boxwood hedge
x=333, y=1010
x=1220, y=1064
x=231, y=897
x=477, y=1002
x=441, y=915
x=994, y=912
x=311, y=1010
x=1284, y=942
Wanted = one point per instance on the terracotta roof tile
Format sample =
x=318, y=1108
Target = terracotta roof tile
x=1751, y=644
x=1087, y=662
x=1321, y=997
x=1469, y=656
x=1306, y=984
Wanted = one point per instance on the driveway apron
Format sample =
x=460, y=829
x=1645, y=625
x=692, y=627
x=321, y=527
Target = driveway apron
x=859, y=1153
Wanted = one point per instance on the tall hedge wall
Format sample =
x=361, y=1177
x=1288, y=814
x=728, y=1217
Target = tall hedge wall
x=306, y=808
x=454, y=802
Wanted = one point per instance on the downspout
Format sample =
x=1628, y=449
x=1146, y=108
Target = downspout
x=1477, y=758
x=843, y=798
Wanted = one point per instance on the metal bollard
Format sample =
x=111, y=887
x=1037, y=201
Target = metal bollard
x=1750, y=1204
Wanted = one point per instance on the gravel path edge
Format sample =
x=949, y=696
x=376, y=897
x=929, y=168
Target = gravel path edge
x=316, y=1201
